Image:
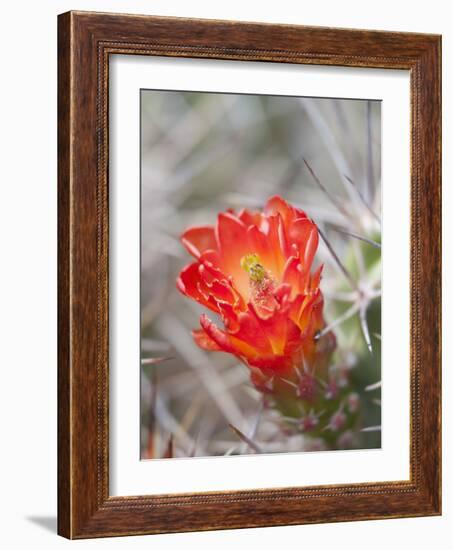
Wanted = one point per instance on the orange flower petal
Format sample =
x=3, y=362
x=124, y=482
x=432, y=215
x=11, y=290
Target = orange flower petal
x=188, y=283
x=276, y=205
x=229, y=317
x=250, y=330
x=204, y=341
x=294, y=276
x=315, y=278
x=282, y=293
x=225, y=341
x=277, y=243
x=279, y=329
x=304, y=233
x=250, y=217
x=220, y=290
x=231, y=234
x=310, y=313
x=198, y=239
x=271, y=362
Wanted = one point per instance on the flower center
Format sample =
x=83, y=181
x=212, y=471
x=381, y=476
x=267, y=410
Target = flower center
x=261, y=283
x=252, y=264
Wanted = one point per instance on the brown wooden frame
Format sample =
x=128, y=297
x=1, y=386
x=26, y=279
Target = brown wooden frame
x=85, y=42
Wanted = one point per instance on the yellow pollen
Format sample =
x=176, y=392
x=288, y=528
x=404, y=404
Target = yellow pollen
x=252, y=264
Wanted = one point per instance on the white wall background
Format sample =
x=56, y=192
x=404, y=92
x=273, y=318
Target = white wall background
x=28, y=216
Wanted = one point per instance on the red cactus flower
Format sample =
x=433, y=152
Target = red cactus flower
x=254, y=269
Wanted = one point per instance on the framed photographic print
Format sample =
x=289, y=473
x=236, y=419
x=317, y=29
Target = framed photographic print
x=249, y=275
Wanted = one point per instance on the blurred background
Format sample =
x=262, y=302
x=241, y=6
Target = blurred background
x=203, y=153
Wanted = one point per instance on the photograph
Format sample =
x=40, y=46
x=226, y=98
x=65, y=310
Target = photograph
x=260, y=290
x=249, y=273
